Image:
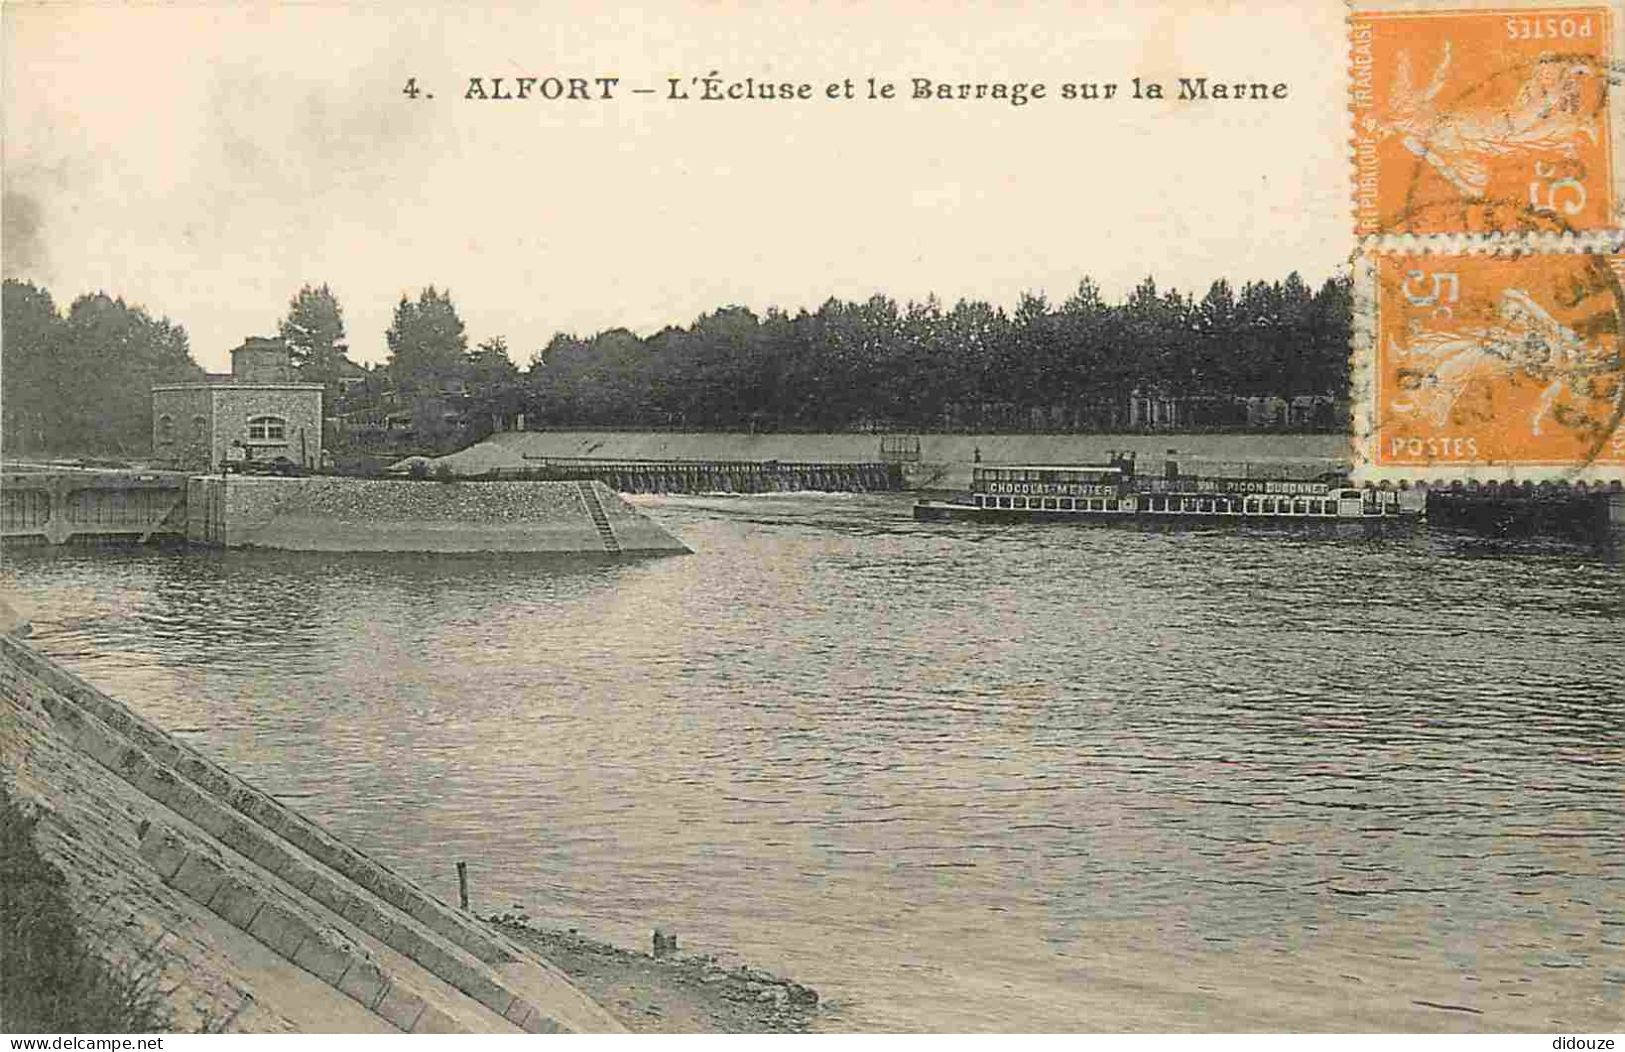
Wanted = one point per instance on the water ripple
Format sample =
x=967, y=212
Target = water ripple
x=1080, y=779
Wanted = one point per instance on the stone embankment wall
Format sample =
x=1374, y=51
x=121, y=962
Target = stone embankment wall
x=246, y=915
x=373, y=515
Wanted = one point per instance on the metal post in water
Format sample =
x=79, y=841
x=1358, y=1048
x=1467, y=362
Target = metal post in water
x=462, y=884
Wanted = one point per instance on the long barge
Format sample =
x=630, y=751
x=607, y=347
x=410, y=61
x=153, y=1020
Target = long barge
x=1114, y=492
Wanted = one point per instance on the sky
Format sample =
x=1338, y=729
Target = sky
x=206, y=160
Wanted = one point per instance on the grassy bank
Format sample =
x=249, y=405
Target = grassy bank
x=49, y=981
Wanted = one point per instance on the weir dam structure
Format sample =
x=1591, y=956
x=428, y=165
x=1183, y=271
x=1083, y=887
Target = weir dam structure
x=713, y=476
x=324, y=513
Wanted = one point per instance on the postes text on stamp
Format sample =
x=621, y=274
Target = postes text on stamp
x=1485, y=366
x=1483, y=121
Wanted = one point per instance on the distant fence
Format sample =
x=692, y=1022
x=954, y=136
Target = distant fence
x=711, y=476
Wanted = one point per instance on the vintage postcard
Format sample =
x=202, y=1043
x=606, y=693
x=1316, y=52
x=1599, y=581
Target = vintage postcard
x=878, y=517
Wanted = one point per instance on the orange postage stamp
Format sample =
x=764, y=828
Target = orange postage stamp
x=1490, y=367
x=1485, y=121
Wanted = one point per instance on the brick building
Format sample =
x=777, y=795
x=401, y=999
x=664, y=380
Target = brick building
x=258, y=405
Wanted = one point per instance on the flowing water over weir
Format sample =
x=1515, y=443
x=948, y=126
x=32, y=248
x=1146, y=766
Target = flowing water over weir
x=951, y=776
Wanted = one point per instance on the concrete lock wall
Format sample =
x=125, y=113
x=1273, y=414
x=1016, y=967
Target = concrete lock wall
x=224, y=512
x=373, y=515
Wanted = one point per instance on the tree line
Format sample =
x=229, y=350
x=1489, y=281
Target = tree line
x=921, y=366
x=79, y=380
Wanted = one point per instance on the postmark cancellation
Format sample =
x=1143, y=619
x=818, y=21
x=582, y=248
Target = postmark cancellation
x=1485, y=120
x=1487, y=365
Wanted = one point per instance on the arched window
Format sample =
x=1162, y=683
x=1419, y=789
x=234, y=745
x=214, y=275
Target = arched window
x=200, y=428
x=267, y=429
x=166, y=428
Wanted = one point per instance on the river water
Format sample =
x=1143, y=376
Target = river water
x=954, y=777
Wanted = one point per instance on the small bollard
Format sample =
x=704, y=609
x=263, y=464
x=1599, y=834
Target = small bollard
x=462, y=884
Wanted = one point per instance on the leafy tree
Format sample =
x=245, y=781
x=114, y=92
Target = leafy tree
x=495, y=394
x=1330, y=317
x=82, y=383
x=314, y=333
x=774, y=349
x=976, y=333
x=1258, y=322
x=489, y=365
x=30, y=347
x=1291, y=365
x=1091, y=376
x=1215, y=321
x=1159, y=327
x=121, y=351
x=550, y=384
x=721, y=348
x=1036, y=360
x=920, y=381
x=427, y=345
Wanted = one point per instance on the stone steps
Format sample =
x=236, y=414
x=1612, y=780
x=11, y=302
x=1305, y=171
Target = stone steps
x=236, y=898
x=314, y=894
x=263, y=809
x=600, y=521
